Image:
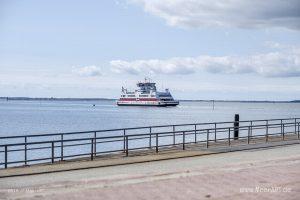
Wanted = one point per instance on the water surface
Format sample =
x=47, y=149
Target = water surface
x=39, y=117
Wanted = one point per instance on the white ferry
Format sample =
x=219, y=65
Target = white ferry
x=146, y=95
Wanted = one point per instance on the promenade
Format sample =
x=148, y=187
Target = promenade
x=265, y=171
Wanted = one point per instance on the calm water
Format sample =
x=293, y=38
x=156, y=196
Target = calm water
x=32, y=117
x=40, y=117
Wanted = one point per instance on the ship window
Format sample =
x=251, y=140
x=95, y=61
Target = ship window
x=143, y=95
x=131, y=95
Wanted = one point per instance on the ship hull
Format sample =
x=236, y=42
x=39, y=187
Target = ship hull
x=147, y=103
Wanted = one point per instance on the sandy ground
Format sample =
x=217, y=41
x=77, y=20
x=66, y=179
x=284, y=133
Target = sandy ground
x=255, y=174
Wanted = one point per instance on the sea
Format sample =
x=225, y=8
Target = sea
x=29, y=117
x=26, y=117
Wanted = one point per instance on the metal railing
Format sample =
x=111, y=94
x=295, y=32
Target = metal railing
x=44, y=148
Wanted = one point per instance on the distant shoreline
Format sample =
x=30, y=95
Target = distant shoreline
x=111, y=99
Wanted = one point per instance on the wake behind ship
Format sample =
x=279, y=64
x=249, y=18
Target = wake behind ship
x=146, y=95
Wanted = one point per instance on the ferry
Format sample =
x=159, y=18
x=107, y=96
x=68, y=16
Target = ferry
x=146, y=95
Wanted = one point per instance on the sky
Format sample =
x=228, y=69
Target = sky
x=199, y=49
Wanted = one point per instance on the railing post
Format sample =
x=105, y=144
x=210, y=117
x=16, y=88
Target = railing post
x=295, y=126
x=207, y=138
x=248, y=138
x=92, y=149
x=95, y=144
x=283, y=131
x=215, y=132
x=52, y=152
x=124, y=142
x=150, y=137
x=183, y=140
x=156, y=145
x=195, y=133
x=5, y=156
x=267, y=130
x=251, y=125
x=228, y=136
x=127, y=148
x=174, y=135
x=236, y=126
x=281, y=127
x=298, y=130
x=25, y=150
x=62, y=147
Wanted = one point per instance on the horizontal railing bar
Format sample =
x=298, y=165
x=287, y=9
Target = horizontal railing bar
x=110, y=151
x=41, y=159
x=143, y=127
x=80, y=144
x=254, y=127
x=32, y=160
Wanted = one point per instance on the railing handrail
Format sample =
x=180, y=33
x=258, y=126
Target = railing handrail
x=230, y=132
x=135, y=128
x=144, y=134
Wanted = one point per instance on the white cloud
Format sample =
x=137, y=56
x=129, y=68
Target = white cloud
x=170, y=66
x=88, y=71
x=228, y=13
x=281, y=63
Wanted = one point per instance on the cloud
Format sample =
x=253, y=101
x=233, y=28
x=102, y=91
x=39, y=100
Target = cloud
x=281, y=63
x=226, y=13
x=88, y=71
x=171, y=66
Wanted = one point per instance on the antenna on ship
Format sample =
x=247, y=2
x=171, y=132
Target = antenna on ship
x=147, y=78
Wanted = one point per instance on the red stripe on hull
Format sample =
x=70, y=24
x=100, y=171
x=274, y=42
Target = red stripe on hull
x=140, y=99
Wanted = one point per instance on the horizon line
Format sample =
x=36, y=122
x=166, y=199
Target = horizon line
x=90, y=98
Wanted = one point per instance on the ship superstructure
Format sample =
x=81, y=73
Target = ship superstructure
x=146, y=95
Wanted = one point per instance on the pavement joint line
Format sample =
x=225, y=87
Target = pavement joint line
x=57, y=167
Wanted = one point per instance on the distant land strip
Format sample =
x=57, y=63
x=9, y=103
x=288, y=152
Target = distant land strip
x=111, y=99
